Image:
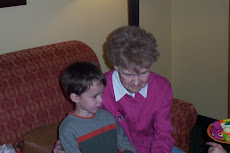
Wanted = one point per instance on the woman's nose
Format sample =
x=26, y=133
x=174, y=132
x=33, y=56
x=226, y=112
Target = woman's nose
x=136, y=80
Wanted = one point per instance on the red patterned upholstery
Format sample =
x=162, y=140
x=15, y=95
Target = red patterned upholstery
x=183, y=118
x=30, y=95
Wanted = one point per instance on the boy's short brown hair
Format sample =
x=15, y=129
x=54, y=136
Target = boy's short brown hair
x=79, y=76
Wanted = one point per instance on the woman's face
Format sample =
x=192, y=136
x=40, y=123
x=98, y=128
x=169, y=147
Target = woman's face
x=131, y=80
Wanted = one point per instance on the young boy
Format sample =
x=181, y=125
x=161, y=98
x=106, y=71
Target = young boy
x=89, y=129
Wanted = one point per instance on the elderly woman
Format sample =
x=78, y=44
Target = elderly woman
x=139, y=99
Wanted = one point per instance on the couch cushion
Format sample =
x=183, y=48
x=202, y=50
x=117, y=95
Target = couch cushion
x=41, y=139
x=183, y=118
x=30, y=94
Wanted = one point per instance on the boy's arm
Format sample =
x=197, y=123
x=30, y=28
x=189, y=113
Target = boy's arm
x=123, y=143
x=68, y=140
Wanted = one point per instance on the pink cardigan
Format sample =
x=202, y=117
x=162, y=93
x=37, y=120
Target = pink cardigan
x=146, y=121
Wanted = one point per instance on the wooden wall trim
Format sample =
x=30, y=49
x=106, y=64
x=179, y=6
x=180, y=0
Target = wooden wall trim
x=229, y=60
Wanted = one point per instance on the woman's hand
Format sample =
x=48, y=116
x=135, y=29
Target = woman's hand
x=215, y=148
x=58, y=147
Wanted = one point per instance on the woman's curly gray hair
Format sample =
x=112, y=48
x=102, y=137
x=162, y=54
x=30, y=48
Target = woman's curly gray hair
x=132, y=47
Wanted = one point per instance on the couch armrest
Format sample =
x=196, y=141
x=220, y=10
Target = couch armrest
x=41, y=139
x=183, y=118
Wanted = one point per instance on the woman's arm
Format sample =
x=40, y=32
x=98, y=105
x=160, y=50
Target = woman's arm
x=58, y=147
x=162, y=140
x=215, y=148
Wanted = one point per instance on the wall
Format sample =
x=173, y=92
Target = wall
x=192, y=38
x=200, y=54
x=155, y=16
x=42, y=22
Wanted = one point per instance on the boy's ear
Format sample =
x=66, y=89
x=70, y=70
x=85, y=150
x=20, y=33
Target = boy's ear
x=74, y=97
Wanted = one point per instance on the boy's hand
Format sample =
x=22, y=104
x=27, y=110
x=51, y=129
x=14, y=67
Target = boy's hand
x=215, y=148
x=58, y=147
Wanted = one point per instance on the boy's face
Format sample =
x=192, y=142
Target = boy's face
x=90, y=101
x=131, y=80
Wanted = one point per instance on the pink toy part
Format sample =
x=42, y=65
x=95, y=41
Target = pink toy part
x=216, y=133
x=216, y=125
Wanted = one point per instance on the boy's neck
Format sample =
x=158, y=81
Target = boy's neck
x=84, y=115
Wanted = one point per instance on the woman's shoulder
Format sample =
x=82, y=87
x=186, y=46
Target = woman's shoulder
x=109, y=73
x=108, y=76
x=157, y=77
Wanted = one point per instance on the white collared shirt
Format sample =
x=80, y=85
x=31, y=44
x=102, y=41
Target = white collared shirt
x=120, y=91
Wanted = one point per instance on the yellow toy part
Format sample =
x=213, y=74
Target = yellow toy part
x=226, y=129
x=224, y=123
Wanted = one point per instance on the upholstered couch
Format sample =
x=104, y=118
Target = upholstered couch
x=32, y=104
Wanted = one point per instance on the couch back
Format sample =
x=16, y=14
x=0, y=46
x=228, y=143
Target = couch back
x=30, y=94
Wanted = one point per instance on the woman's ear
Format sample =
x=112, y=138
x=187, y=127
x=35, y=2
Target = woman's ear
x=74, y=97
x=116, y=68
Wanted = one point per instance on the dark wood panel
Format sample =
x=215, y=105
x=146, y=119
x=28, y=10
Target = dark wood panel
x=133, y=12
x=9, y=3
